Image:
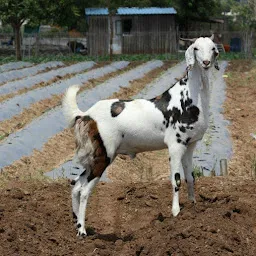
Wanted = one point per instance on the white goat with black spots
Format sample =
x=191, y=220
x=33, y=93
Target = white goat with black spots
x=176, y=120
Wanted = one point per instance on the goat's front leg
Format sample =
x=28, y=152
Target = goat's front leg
x=188, y=170
x=85, y=192
x=176, y=152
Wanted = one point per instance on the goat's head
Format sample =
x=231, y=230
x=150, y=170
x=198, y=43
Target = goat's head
x=204, y=51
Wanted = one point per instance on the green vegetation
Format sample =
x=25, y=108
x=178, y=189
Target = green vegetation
x=72, y=58
x=69, y=15
x=197, y=172
x=2, y=136
x=77, y=57
x=16, y=12
x=199, y=10
x=233, y=56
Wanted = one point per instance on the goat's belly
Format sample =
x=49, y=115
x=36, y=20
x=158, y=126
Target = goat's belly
x=132, y=144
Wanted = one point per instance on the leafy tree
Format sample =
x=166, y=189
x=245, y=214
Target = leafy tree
x=245, y=14
x=245, y=20
x=199, y=10
x=62, y=12
x=16, y=12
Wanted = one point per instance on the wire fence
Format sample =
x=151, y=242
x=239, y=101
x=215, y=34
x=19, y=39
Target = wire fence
x=92, y=44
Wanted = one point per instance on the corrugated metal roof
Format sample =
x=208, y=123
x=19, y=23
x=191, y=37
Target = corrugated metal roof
x=145, y=11
x=96, y=11
x=131, y=11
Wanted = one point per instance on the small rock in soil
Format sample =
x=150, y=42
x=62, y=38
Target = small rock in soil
x=99, y=244
x=121, y=198
x=160, y=217
x=54, y=240
x=149, y=204
x=31, y=226
x=18, y=194
x=227, y=215
x=139, y=196
x=186, y=216
x=119, y=242
x=153, y=196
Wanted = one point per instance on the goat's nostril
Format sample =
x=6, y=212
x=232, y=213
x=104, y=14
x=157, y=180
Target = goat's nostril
x=206, y=62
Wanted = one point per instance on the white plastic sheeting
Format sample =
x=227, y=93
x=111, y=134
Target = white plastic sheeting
x=17, y=104
x=38, y=132
x=28, y=82
x=14, y=65
x=17, y=74
x=70, y=169
x=216, y=144
x=162, y=83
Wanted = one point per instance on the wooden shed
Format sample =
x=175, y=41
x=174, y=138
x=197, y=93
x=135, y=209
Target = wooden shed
x=135, y=30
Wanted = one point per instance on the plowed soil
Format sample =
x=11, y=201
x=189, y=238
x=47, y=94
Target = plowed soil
x=132, y=214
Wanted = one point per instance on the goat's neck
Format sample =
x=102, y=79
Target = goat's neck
x=199, y=83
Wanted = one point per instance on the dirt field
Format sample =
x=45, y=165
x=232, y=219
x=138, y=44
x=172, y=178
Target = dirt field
x=131, y=217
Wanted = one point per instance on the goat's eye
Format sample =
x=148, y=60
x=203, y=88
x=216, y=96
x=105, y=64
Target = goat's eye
x=213, y=49
x=196, y=49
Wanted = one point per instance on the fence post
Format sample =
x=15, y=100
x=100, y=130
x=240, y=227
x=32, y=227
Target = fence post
x=223, y=167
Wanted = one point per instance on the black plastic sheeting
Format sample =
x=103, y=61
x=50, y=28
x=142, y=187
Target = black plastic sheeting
x=28, y=82
x=17, y=74
x=39, y=131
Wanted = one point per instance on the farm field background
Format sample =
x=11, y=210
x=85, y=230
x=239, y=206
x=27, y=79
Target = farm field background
x=132, y=214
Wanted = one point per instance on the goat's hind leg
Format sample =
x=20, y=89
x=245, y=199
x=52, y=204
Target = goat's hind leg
x=94, y=157
x=76, y=183
x=85, y=191
x=75, y=197
x=87, y=182
x=188, y=171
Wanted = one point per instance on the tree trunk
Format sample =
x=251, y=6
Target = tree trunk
x=111, y=37
x=248, y=44
x=17, y=41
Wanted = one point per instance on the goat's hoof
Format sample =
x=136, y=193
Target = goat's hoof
x=192, y=199
x=81, y=233
x=175, y=211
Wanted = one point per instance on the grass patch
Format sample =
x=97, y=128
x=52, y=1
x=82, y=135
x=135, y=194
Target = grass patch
x=197, y=172
x=78, y=58
x=71, y=58
x=2, y=136
x=232, y=56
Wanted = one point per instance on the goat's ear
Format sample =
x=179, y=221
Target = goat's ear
x=190, y=56
x=216, y=64
x=212, y=37
x=216, y=55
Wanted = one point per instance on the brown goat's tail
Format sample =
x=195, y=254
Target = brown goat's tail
x=69, y=105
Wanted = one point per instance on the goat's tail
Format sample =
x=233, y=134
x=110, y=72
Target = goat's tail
x=69, y=105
